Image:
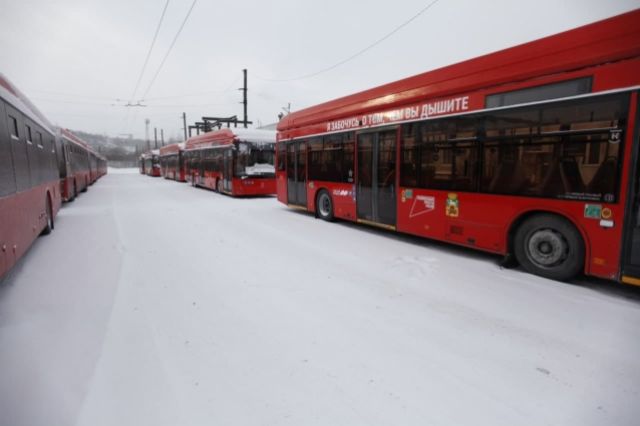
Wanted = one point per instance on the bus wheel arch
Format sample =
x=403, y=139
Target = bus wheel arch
x=324, y=206
x=548, y=244
x=50, y=225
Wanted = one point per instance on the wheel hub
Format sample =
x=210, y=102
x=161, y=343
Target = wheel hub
x=547, y=248
x=325, y=205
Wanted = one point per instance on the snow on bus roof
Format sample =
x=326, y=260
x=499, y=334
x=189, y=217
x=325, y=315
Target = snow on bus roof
x=15, y=97
x=73, y=138
x=228, y=135
x=172, y=149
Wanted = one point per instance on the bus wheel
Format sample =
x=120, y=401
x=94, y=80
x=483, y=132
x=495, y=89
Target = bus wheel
x=49, y=213
x=324, y=206
x=219, y=186
x=549, y=246
x=86, y=185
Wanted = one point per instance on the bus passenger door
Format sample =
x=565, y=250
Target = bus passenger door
x=376, y=178
x=631, y=256
x=297, y=173
x=227, y=174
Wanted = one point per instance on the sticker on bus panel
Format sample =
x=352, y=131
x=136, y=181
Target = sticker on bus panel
x=452, y=208
x=341, y=193
x=422, y=204
x=406, y=194
x=592, y=211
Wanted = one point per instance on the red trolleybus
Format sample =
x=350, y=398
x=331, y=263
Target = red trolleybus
x=98, y=165
x=102, y=165
x=29, y=183
x=172, y=162
x=150, y=163
x=74, y=164
x=236, y=162
x=530, y=151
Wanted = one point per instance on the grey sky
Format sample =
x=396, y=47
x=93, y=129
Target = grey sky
x=74, y=58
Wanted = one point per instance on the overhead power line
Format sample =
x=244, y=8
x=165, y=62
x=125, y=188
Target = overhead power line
x=358, y=53
x=169, y=50
x=228, y=88
x=146, y=61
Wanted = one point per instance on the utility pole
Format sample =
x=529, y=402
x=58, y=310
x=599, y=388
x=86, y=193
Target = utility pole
x=162, y=136
x=155, y=136
x=244, y=98
x=184, y=123
x=146, y=124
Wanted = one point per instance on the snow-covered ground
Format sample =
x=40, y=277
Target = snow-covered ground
x=154, y=303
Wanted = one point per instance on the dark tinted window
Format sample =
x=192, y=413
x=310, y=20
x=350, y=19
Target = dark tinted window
x=13, y=126
x=569, y=150
x=331, y=158
x=7, y=177
x=440, y=154
x=540, y=93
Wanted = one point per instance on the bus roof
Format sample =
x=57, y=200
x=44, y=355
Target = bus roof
x=226, y=136
x=172, y=149
x=71, y=137
x=15, y=97
x=609, y=40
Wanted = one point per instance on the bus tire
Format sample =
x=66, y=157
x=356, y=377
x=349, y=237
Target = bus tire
x=86, y=185
x=49, y=216
x=549, y=246
x=219, y=186
x=324, y=205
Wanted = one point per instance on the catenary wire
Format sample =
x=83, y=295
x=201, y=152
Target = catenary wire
x=186, y=18
x=355, y=55
x=146, y=61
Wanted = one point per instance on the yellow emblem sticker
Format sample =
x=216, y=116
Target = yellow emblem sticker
x=452, y=207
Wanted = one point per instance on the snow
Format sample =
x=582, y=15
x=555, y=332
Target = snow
x=155, y=303
x=255, y=135
x=259, y=168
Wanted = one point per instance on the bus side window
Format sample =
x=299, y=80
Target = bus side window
x=7, y=177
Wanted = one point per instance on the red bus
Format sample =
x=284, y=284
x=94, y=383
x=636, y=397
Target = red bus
x=103, y=165
x=531, y=151
x=172, y=162
x=98, y=166
x=235, y=162
x=150, y=163
x=74, y=164
x=29, y=181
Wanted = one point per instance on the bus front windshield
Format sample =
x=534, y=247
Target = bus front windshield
x=255, y=159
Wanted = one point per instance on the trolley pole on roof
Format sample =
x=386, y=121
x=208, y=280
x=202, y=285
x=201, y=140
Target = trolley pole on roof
x=155, y=136
x=146, y=124
x=244, y=98
x=184, y=124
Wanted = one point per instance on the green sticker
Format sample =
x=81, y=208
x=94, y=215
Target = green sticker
x=408, y=193
x=592, y=211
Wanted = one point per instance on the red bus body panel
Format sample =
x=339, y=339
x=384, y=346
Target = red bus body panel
x=22, y=219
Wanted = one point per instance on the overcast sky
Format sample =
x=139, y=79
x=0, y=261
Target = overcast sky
x=75, y=58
